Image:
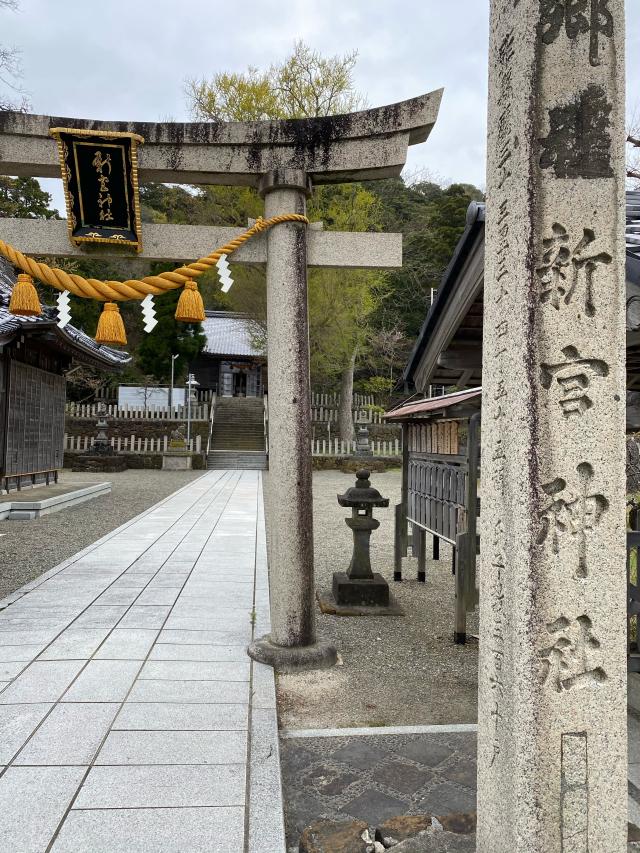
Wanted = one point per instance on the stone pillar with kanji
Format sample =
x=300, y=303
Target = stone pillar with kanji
x=552, y=754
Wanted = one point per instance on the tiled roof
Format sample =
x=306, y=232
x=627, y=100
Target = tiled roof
x=10, y=324
x=231, y=334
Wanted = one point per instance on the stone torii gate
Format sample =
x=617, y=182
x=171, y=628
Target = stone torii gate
x=283, y=160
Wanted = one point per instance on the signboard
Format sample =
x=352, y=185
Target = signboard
x=100, y=178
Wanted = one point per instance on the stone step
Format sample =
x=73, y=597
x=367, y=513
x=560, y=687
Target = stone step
x=240, y=426
x=229, y=418
x=247, y=460
x=233, y=404
x=233, y=434
x=238, y=448
x=237, y=418
x=234, y=439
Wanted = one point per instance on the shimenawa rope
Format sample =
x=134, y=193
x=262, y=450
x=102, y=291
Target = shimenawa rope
x=117, y=291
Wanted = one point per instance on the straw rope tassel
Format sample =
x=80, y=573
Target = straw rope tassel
x=190, y=308
x=110, y=326
x=24, y=298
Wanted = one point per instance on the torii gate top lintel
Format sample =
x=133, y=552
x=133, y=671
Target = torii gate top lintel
x=367, y=145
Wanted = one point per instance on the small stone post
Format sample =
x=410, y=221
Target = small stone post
x=552, y=756
x=292, y=642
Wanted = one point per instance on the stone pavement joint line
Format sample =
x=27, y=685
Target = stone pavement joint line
x=131, y=718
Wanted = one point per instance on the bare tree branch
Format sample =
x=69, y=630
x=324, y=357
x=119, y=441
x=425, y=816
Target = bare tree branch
x=11, y=70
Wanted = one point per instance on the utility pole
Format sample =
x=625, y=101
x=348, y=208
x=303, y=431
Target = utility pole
x=173, y=360
x=191, y=380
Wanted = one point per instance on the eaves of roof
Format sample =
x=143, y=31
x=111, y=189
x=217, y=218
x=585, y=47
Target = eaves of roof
x=432, y=404
x=475, y=224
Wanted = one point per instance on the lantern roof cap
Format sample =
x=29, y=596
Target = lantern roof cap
x=362, y=494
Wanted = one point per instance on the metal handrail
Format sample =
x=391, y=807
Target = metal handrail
x=633, y=585
x=266, y=424
x=212, y=414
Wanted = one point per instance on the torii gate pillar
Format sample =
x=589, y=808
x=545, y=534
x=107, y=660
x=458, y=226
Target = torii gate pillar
x=292, y=641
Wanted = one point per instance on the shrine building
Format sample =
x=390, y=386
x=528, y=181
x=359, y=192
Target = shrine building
x=35, y=356
x=233, y=361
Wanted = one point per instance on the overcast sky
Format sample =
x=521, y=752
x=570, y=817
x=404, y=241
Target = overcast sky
x=128, y=59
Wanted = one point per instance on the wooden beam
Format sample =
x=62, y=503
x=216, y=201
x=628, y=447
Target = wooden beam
x=462, y=357
x=465, y=379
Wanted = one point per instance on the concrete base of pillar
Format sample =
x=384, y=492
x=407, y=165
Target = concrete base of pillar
x=293, y=658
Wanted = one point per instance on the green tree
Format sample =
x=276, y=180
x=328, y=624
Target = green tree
x=169, y=337
x=431, y=219
x=305, y=84
x=24, y=198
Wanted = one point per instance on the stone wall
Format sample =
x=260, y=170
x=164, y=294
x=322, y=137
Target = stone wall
x=355, y=463
x=141, y=460
x=140, y=428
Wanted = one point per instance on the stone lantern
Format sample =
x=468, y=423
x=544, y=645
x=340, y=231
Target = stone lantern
x=101, y=444
x=363, y=448
x=359, y=586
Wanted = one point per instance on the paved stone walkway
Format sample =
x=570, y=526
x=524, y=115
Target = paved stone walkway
x=378, y=776
x=131, y=718
x=373, y=778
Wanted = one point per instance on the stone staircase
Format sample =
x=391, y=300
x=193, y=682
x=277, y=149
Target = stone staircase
x=237, y=440
x=245, y=460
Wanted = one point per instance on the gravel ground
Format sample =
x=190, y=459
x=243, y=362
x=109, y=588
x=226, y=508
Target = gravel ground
x=29, y=548
x=396, y=670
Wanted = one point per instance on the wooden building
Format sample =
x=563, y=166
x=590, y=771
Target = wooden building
x=440, y=474
x=35, y=355
x=232, y=362
x=448, y=351
x=440, y=469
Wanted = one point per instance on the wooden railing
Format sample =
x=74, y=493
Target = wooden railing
x=335, y=447
x=437, y=493
x=332, y=400
x=212, y=415
x=327, y=414
x=440, y=497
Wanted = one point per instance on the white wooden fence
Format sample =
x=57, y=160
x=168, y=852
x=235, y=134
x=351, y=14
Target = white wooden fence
x=331, y=400
x=129, y=444
x=199, y=412
x=325, y=414
x=334, y=447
